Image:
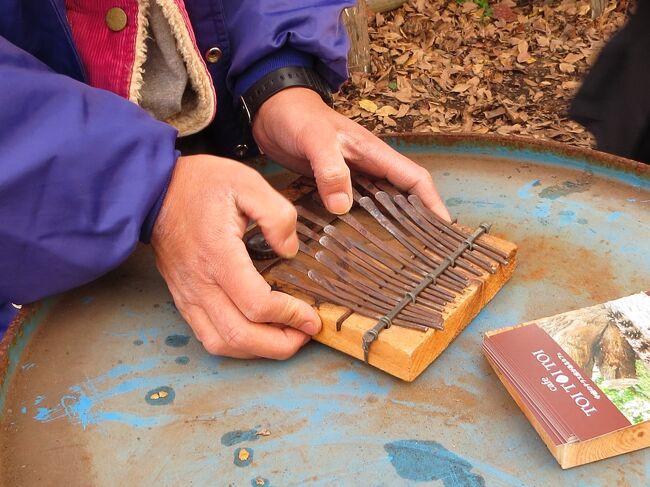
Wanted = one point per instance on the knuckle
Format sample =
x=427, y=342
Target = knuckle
x=331, y=174
x=255, y=311
x=291, y=311
x=287, y=212
x=233, y=336
x=287, y=353
x=422, y=179
x=425, y=175
x=213, y=347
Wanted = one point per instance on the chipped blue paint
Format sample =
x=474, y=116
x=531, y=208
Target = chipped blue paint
x=42, y=414
x=153, y=397
x=234, y=437
x=543, y=211
x=615, y=216
x=260, y=482
x=451, y=202
x=543, y=157
x=426, y=460
x=23, y=410
x=16, y=350
x=423, y=461
x=143, y=335
x=177, y=341
x=524, y=192
x=245, y=462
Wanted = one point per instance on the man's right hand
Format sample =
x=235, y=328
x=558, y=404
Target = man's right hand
x=199, y=250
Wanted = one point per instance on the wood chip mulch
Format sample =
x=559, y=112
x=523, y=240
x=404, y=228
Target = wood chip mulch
x=444, y=66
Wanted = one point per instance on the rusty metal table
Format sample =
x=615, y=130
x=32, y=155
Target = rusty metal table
x=76, y=399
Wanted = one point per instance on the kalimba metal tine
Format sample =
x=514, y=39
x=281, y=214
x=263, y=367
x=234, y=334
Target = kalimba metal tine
x=446, y=227
x=362, y=287
x=306, y=231
x=360, y=298
x=369, y=311
x=311, y=216
x=353, y=259
x=439, y=236
x=416, y=232
x=421, y=224
x=411, y=264
x=345, y=275
x=371, y=208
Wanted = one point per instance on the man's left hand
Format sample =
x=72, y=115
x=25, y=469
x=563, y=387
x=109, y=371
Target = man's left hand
x=296, y=128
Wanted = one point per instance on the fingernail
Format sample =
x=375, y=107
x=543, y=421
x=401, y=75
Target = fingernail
x=291, y=247
x=338, y=203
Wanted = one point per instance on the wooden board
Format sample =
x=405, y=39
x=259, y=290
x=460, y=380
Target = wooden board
x=401, y=352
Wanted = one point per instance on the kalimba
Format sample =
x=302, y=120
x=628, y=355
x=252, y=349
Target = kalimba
x=393, y=283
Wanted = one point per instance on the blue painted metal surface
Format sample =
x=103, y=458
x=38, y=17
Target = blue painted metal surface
x=82, y=397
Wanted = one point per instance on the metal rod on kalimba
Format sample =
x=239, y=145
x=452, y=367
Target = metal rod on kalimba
x=434, y=238
x=354, y=259
x=387, y=295
x=424, y=320
x=366, y=310
x=454, y=232
x=425, y=314
x=386, y=321
x=439, y=236
x=361, y=295
x=420, y=269
x=366, y=203
x=440, y=223
x=403, y=258
x=418, y=234
x=432, y=301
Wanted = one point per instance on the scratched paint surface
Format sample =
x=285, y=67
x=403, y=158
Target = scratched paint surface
x=108, y=391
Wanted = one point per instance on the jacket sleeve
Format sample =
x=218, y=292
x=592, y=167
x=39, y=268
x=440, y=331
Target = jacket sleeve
x=82, y=176
x=266, y=35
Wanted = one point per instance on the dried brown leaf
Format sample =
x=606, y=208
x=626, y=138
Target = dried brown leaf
x=567, y=68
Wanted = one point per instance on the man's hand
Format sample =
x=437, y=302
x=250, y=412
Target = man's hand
x=297, y=129
x=199, y=250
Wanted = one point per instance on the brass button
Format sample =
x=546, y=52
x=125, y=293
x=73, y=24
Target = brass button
x=116, y=19
x=213, y=55
x=240, y=150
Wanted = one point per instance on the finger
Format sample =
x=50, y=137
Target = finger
x=373, y=156
x=331, y=172
x=428, y=193
x=253, y=296
x=274, y=214
x=239, y=333
x=206, y=333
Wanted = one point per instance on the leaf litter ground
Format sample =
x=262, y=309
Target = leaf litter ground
x=444, y=66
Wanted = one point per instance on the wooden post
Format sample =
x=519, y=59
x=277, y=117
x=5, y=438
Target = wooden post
x=383, y=5
x=356, y=21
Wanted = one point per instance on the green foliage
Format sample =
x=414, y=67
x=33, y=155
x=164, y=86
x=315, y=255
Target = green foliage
x=482, y=4
x=633, y=402
x=392, y=85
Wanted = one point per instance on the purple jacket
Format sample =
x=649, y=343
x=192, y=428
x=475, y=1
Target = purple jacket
x=82, y=171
